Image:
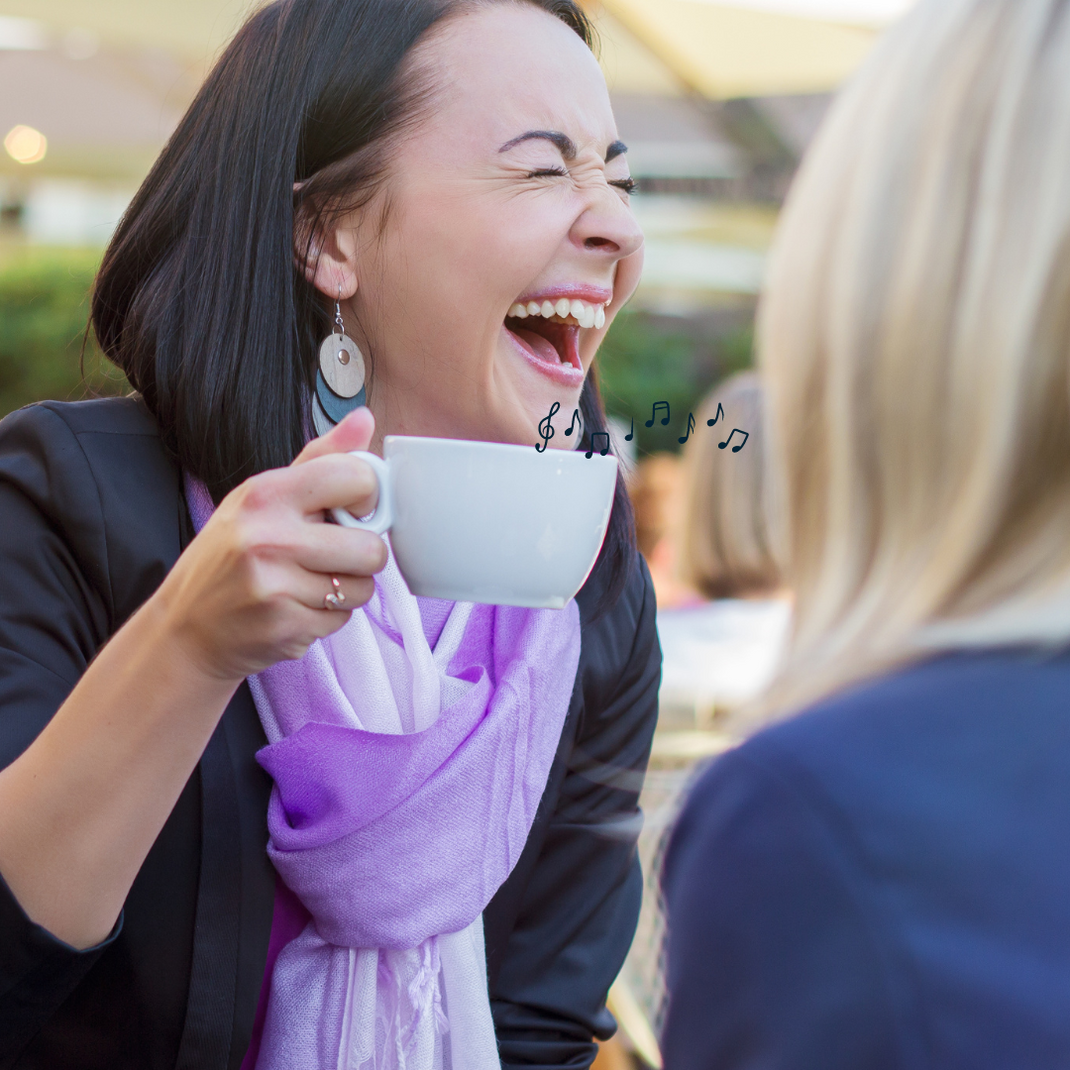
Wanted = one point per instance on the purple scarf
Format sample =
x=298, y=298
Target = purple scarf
x=408, y=768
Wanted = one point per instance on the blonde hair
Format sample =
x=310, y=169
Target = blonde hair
x=914, y=342
x=725, y=545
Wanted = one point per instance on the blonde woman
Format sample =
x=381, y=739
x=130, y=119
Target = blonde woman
x=883, y=881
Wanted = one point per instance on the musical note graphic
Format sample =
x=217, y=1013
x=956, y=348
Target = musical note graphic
x=546, y=428
x=654, y=412
x=735, y=431
x=690, y=428
x=596, y=435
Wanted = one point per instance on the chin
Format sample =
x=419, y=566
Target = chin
x=537, y=397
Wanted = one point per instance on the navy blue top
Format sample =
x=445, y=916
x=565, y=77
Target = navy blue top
x=883, y=881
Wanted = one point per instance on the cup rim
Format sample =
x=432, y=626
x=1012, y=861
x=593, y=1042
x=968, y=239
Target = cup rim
x=514, y=447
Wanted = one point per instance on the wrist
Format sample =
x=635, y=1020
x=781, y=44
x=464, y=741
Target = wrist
x=183, y=644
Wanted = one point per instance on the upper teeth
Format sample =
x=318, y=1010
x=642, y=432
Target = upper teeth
x=586, y=315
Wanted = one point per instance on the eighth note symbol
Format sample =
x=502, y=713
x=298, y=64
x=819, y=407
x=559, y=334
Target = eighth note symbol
x=572, y=426
x=690, y=428
x=735, y=431
x=659, y=405
x=718, y=415
x=594, y=436
x=546, y=428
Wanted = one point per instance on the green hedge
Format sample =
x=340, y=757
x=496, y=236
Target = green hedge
x=44, y=310
x=645, y=359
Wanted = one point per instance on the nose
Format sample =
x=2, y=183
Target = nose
x=608, y=227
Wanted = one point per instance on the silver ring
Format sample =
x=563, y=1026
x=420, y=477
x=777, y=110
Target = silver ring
x=334, y=599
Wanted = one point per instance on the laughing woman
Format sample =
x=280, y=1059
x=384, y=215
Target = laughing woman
x=441, y=179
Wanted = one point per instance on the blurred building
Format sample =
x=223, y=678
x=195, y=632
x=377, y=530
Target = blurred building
x=102, y=113
x=716, y=100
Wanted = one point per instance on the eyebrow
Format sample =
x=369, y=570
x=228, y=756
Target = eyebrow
x=565, y=145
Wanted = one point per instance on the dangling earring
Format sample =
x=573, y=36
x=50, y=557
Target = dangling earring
x=340, y=378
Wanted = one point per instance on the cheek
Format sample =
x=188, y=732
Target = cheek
x=478, y=254
x=629, y=272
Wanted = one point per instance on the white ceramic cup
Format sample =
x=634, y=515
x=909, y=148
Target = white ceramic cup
x=490, y=522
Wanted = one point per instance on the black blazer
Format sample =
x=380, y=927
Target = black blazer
x=91, y=519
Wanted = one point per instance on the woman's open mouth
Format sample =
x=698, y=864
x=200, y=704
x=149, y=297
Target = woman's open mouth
x=547, y=332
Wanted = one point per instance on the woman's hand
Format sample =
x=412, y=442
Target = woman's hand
x=249, y=590
x=80, y=808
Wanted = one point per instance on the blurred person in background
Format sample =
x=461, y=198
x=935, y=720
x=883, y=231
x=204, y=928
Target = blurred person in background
x=654, y=488
x=721, y=648
x=883, y=879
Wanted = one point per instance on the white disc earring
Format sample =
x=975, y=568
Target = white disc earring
x=341, y=361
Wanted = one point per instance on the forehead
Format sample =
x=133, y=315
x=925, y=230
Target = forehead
x=501, y=68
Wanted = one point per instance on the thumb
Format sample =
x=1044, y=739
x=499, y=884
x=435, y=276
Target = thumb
x=353, y=433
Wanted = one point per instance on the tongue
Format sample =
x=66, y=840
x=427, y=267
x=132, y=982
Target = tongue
x=543, y=348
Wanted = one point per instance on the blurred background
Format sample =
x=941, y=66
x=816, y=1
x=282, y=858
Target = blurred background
x=717, y=102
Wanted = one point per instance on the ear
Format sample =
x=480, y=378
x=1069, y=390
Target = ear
x=328, y=256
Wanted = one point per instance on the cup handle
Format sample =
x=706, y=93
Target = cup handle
x=381, y=520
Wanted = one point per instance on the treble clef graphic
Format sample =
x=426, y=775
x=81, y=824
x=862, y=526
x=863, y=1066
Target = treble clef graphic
x=546, y=428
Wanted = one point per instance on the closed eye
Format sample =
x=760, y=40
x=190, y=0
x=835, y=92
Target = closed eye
x=629, y=185
x=556, y=172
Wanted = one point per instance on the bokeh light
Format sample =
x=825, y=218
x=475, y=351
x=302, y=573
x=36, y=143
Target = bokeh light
x=25, y=144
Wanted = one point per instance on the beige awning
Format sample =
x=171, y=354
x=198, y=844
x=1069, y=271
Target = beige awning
x=719, y=49
x=107, y=107
x=722, y=50
x=193, y=30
